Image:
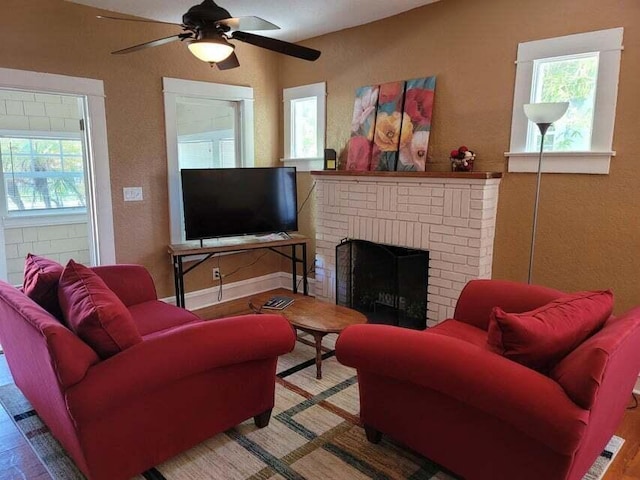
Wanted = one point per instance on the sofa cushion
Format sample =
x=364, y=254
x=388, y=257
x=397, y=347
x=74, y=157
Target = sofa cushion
x=542, y=337
x=156, y=316
x=94, y=312
x=461, y=331
x=41, y=276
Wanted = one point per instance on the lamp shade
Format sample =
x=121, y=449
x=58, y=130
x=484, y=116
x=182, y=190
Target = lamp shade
x=211, y=50
x=545, y=112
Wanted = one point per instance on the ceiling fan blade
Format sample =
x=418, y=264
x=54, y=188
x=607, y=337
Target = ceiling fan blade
x=136, y=20
x=248, y=23
x=152, y=43
x=279, y=46
x=230, y=62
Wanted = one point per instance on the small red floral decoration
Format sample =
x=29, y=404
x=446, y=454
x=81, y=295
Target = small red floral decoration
x=462, y=159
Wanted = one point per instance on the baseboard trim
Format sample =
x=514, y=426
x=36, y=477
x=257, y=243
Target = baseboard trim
x=232, y=291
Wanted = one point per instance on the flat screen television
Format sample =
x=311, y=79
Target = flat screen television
x=221, y=202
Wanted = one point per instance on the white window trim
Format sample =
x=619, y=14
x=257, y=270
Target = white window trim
x=98, y=174
x=174, y=88
x=318, y=90
x=597, y=160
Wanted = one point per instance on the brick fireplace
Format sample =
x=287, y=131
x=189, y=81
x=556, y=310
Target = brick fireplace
x=451, y=215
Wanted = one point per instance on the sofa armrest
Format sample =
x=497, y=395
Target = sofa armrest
x=183, y=352
x=131, y=283
x=521, y=397
x=478, y=298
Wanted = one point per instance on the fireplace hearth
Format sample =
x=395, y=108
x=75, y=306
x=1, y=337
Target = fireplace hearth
x=386, y=283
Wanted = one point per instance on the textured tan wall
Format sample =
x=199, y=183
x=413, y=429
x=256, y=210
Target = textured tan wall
x=55, y=36
x=588, y=231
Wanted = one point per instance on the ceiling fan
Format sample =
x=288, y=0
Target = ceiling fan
x=207, y=28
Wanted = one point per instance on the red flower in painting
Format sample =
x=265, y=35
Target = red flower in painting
x=418, y=103
x=390, y=92
x=359, y=154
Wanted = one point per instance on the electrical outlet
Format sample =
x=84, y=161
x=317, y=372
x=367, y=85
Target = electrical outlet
x=216, y=273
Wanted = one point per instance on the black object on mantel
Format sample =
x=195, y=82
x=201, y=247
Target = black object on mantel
x=330, y=156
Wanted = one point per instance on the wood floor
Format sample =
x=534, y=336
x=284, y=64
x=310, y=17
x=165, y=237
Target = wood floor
x=19, y=462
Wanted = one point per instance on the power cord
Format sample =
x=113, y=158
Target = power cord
x=635, y=402
x=220, y=286
x=312, y=269
x=233, y=272
x=308, y=196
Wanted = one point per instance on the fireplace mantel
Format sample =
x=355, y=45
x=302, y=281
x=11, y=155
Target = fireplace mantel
x=408, y=175
x=450, y=214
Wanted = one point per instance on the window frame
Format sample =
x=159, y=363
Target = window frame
x=173, y=88
x=319, y=91
x=596, y=160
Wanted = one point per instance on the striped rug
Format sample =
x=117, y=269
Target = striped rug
x=313, y=434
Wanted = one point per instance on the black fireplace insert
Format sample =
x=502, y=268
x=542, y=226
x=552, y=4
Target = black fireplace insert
x=388, y=284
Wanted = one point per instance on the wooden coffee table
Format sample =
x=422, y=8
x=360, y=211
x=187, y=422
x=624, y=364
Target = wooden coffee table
x=312, y=316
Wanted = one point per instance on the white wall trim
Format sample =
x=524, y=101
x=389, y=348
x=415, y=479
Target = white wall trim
x=174, y=88
x=596, y=163
x=304, y=164
x=98, y=175
x=233, y=291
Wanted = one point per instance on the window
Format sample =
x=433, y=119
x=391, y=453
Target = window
x=304, y=126
x=208, y=125
x=583, y=70
x=42, y=174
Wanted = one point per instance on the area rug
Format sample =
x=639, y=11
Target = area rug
x=313, y=434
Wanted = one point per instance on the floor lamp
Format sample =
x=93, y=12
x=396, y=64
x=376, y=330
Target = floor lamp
x=543, y=115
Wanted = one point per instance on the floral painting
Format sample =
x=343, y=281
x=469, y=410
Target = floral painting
x=416, y=124
x=388, y=128
x=362, y=128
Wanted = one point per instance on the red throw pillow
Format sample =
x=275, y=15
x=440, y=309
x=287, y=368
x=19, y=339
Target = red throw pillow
x=40, y=283
x=94, y=312
x=542, y=337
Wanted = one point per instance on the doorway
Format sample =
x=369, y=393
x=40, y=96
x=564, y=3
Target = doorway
x=55, y=196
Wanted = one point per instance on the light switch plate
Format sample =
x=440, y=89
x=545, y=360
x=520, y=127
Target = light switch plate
x=132, y=194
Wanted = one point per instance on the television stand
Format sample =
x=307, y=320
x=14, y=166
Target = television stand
x=210, y=247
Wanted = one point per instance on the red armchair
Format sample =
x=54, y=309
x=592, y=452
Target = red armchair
x=186, y=381
x=445, y=394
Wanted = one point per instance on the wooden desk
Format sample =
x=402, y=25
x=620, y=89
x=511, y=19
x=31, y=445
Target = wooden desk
x=211, y=247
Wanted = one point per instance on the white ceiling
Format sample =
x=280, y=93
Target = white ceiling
x=298, y=19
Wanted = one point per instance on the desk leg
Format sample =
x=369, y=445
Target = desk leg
x=294, y=267
x=179, y=282
x=305, y=281
x=318, y=336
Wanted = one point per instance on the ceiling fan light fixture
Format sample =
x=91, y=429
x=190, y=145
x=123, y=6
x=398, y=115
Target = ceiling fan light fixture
x=211, y=50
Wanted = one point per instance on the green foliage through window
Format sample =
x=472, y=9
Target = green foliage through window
x=42, y=173
x=570, y=79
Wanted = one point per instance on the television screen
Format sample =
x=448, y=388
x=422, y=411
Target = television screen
x=221, y=202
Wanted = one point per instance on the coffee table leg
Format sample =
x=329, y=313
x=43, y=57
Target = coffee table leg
x=318, y=339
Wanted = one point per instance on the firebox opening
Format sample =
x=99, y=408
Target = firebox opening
x=386, y=283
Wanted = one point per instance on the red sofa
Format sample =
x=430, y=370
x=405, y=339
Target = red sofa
x=186, y=381
x=444, y=393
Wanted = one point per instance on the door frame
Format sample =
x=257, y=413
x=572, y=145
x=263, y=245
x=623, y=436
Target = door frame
x=99, y=206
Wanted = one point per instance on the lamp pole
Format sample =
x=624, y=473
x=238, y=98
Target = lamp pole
x=543, y=115
x=543, y=130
